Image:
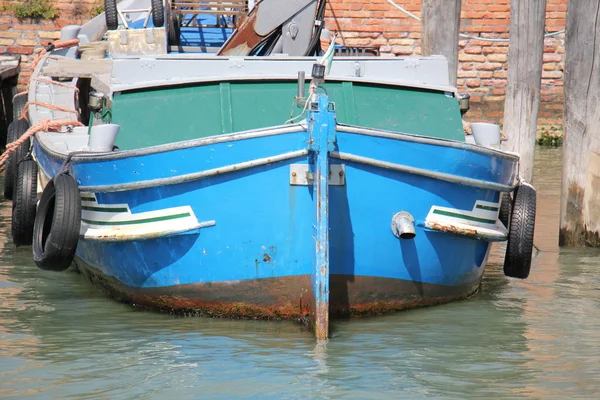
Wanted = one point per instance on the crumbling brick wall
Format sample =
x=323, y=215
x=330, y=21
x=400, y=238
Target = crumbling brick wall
x=22, y=37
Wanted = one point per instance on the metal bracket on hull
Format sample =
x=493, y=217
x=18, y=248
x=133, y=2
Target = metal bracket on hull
x=300, y=175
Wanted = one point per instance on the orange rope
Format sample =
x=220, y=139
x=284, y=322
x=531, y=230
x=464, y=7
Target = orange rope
x=51, y=57
x=51, y=82
x=45, y=105
x=44, y=126
x=65, y=85
x=54, y=45
x=66, y=43
x=42, y=54
x=20, y=94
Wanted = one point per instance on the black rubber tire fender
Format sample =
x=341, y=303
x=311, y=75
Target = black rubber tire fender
x=57, y=224
x=15, y=130
x=158, y=13
x=505, y=209
x=24, y=203
x=110, y=14
x=9, y=174
x=18, y=106
x=174, y=29
x=519, y=249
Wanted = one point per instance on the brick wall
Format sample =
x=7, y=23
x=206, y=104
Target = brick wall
x=482, y=69
x=482, y=64
x=23, y=37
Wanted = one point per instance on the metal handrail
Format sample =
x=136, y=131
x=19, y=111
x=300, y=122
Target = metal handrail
x=122, y=14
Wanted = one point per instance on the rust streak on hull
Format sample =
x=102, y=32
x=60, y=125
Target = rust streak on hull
x=369, y=295
x=449, y=228
x=282, y=298
x=287, y=298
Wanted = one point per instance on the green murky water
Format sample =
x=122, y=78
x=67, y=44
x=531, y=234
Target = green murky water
x=60, y=337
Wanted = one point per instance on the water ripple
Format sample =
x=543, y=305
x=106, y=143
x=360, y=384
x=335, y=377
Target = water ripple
x=60, y=337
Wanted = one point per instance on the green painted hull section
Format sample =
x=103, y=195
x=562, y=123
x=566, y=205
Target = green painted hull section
x=171, y=114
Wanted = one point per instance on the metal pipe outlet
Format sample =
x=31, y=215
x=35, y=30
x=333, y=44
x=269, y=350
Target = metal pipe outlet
x=403, y=225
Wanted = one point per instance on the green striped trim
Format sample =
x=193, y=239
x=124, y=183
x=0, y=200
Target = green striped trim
x=139, y=221
x=105, y=209
x=463, y=216
x=489, y=208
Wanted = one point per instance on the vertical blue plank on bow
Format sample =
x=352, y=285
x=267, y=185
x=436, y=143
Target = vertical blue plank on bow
x=322, y=136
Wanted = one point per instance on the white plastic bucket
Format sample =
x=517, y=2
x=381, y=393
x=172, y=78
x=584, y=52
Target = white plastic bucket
x=486, y=134
x=103, y=137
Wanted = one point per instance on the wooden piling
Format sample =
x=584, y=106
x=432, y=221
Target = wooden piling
x=525, y=51
x=439, y=31
x=9, y=72
x=580, y=197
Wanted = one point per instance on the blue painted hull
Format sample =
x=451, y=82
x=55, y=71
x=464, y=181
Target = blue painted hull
x=252, y=251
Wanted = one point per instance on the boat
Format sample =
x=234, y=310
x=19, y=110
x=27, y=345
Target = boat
x=265, y=185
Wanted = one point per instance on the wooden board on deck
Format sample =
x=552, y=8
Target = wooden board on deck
x=72, y=68
x=149, y=41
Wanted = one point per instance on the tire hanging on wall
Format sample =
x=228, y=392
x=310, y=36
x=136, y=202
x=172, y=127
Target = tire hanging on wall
x=19, y=106
x=24, y=202
x=57, y=224
x=110, y=14
x=158, y=13
x=15, y=130
x=519, y=249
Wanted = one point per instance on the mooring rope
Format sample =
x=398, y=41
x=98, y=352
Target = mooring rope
x=45, y=125
x=49, y=106
x=42, y=54
x=51, y=82
x=23, y=93
x=53, y=46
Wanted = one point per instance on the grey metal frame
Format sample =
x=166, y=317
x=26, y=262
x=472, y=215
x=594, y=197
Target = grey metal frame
x=131, y=72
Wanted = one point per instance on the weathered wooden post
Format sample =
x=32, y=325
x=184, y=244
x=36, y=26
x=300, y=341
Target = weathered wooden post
x=439, y=32
x=580, y=198
x=525, y=51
